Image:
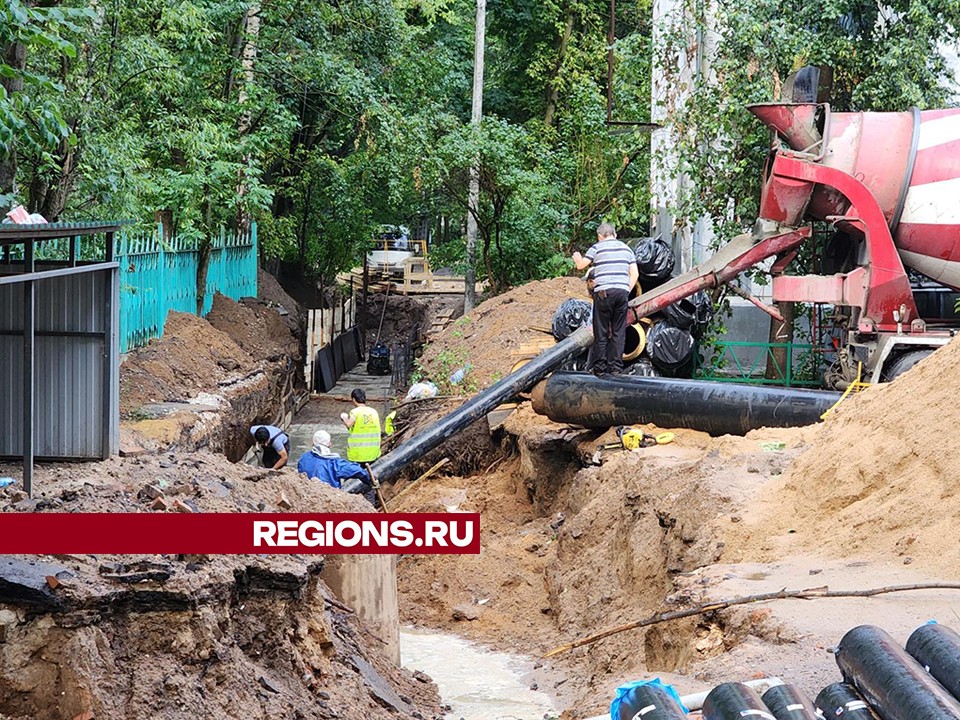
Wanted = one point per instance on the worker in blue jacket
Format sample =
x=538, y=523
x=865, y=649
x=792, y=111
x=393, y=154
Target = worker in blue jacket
x=322, y=464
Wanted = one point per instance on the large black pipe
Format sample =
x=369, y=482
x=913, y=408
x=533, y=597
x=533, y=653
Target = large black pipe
x=716, y=408
x=390, y=465
x=788, y=702
x=734, y=701
x=649, y=702
x=843, y=702
x=890, y=680
x=937, y=649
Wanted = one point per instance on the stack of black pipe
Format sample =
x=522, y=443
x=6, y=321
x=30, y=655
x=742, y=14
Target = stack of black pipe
x=884, y=680
x=881, y=681
x=671, y=340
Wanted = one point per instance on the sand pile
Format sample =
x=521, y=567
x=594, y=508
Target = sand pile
x=881, y=476
x=492, y=337
x=259, y=330
x=191, y=357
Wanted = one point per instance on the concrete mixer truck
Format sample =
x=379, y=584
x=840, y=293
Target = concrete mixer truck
x=889, y=183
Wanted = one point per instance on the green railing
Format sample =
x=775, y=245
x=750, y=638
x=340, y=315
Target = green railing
x=159, y=274
x=746, y=362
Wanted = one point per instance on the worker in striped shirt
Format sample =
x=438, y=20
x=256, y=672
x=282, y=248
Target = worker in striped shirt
x=614, y=275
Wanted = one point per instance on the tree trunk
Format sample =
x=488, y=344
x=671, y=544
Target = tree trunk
x=203, y=254
x=553, y=93
x=164, y=218
x=779, y=357
x=246, y=62
x=14, y=55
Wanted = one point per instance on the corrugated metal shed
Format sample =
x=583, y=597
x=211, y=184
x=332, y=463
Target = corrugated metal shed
x=59, y=350
x=70, y=374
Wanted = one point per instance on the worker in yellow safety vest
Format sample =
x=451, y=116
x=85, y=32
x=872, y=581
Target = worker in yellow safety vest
x=388, y=423
x=363, y=422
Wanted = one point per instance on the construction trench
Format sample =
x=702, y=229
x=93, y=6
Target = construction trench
x=573, y=544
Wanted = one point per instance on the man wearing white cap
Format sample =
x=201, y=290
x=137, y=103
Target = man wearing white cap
x=322, y=464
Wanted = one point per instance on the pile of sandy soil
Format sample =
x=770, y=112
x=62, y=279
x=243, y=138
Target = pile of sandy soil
x=271, y=292
x=490, y=337
x=880, y=479
x=197, y=636
x=258, y=329
x=191, y=357
x=570, y=548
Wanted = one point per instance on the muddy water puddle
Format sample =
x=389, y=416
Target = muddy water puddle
x=477, y=684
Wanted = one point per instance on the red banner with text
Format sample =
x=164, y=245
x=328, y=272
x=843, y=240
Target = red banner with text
x=236, y=533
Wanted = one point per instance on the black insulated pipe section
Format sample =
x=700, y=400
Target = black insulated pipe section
x=649, y=702
x=890, y=680
x=787, y=702
x=716, y=408
x=734, y=701
x=477, y=407
x=937, y=649
x=843, y=702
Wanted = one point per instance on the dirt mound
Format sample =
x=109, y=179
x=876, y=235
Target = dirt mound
x=404, y=319
x=258, y=329
x=191, y=357
x=880, y=479
x=495, y=335
x=201, y=636
x=272, y=293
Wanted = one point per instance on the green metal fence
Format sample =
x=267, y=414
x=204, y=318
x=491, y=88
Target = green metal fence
x=746, y=362
x=159, y=274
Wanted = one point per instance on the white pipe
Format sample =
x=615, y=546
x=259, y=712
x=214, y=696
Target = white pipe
x=695, y=701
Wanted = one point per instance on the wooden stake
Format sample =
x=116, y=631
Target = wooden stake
x=427, y=474
x=807, y=594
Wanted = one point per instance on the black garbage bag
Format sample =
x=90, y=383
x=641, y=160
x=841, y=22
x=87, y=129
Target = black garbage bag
x=576, y=363
x=655, y=262
x=572, y=315
x=693, y=313
x=669, y=347
x=641, y=367
x=378, y=360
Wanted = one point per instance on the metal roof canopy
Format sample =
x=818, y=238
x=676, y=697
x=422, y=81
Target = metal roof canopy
x=81, y=306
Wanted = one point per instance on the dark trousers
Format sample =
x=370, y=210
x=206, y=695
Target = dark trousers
x=609, y=330
x=271, y=456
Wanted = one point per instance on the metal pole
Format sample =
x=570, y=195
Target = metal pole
x=473, y=201
x=29, y=329
x=108, y=250
x=110, y=391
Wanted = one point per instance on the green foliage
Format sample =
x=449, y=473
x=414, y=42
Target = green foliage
x=884, y=56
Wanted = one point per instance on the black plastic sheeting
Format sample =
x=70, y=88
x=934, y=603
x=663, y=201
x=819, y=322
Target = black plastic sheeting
x=669, y=347
x=894, y=684
x=788, y=702
x=655, y=262
x=693, y=313
x=572, y=315
x=734, y=701
x=337, y=358
x=842, y=701
x=937, y=649
x=715, y=408
x=641, y=367
x=649, y=702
